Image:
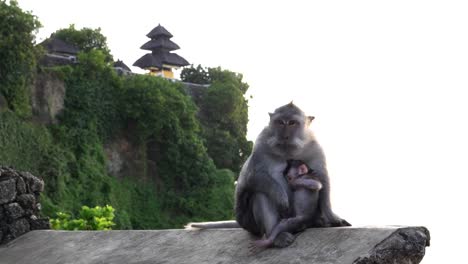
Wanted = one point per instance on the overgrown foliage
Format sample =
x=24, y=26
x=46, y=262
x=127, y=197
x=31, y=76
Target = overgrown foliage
x=198, y=75
x=85, y=39
x=98, y=105
x=97, y=218
x=203, y=75
x=163, y=125
x=224, y=115
x=18, y=55
x=93, y=94
x=165, y=119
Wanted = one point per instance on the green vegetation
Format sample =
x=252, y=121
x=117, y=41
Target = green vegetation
x=224, y=115
x=187, y=157
x=85, y=39
x=17, y=55
x=197, y=75
x=97, y=218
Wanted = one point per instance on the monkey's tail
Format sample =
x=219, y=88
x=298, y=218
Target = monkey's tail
x=212, y=225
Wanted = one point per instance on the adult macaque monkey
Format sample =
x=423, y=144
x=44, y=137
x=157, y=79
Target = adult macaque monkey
x=262, y=193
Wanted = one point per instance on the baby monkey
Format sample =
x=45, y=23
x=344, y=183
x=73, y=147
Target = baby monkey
x=305, y=187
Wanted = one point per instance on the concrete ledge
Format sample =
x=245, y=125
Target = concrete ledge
x=363, y=245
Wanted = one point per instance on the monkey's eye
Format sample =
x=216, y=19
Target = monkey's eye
x=279, y=122
x=292, y=123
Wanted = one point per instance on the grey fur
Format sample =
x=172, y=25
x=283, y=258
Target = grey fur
x=306, y=189
x=262, y=173
x=262, y=196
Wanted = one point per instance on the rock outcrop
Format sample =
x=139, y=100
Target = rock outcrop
x=3, y=103
x=47, y=97
x=365, y=245
x=19, y=204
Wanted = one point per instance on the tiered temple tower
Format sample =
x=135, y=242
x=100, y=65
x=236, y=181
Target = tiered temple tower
x=160, y=61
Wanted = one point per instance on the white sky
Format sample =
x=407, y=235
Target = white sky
x=386, y=80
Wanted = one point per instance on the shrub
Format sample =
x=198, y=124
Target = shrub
x=97, y=218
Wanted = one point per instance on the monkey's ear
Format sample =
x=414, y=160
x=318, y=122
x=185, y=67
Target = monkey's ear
x=309, y=119
x=270, y=114
x=291, y=103
x=303, y=169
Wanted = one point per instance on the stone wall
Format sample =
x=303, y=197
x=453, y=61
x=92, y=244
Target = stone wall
x=19, y=204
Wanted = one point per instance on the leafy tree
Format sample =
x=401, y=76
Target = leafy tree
x=223, y=114
x=202, y=75
x=225, y=76
x=85, y=39
x=17, y=55
x=224, y=119
x=196, y=75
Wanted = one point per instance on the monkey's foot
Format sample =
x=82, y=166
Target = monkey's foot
x=259, y=245
x=262, y=243
x=334, y=222
x=344, y=223
x=284, y=239
x=339, y=222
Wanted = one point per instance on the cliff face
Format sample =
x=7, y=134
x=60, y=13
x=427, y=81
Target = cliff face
x=47, y=97
x=48, y=93
x=123, y=157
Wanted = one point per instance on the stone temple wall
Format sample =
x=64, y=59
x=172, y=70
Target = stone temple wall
x=19, y=204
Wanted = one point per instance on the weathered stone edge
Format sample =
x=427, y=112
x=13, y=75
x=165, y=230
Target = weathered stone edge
x=404, y=246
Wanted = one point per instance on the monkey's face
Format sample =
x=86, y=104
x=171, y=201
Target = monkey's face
x=287, y=132
x=295, y=171
x=288, y=129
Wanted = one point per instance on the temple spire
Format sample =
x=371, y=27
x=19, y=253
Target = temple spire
x=160, y=61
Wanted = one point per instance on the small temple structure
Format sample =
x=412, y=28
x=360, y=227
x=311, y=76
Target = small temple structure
x=58, y=52
x=160, y=61
x=121, y=68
